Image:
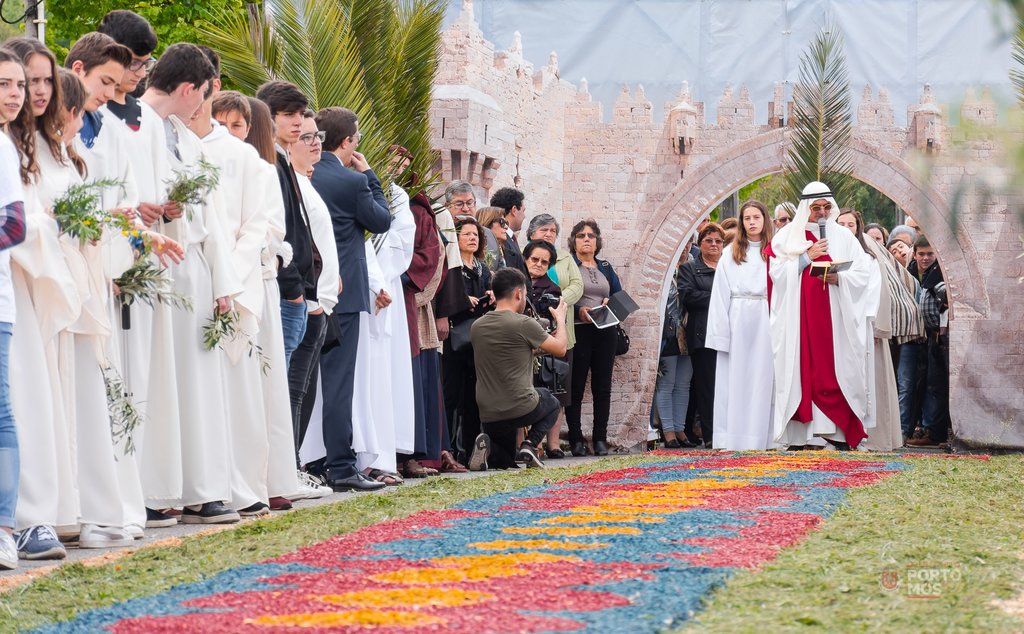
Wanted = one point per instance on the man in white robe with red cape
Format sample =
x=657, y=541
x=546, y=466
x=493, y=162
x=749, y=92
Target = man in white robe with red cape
x=819, y=327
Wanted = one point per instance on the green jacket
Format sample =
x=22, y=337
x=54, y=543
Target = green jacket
x=567, y=275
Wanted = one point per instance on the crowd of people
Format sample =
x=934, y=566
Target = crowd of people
x=215, y=308
x=805, y=327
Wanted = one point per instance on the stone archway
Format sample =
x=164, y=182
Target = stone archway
x=734, y=167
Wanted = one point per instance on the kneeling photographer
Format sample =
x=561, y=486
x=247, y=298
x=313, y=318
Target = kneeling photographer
x=504, y=342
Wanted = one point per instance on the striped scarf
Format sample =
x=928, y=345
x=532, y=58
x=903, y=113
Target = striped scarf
x=907, y=322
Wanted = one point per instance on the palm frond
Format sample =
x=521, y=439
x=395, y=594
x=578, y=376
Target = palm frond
x=376, y=57
x=819, y=147
x=1017, y=72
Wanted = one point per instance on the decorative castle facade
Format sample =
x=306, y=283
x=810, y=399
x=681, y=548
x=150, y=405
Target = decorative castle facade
x=499, y=121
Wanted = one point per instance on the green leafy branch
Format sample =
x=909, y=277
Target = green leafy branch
x=79, y=213
x=191, y=186
x=147, y=282
x=225, y=327
x=125, y=416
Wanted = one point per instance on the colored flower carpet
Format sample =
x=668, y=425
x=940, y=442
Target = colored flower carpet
x=630, y=550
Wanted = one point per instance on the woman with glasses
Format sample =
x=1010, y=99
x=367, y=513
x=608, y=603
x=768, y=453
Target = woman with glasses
x=737, y=328
x=594, y=353
x=696, y=279
x=566, y=275
x=457, y=369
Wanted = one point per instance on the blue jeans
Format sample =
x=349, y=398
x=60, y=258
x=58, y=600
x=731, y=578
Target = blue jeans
x=908, y=382
x=672, y=392
x=293, y=324
x=9, y=465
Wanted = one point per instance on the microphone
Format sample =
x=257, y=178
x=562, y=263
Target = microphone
x=821, y=228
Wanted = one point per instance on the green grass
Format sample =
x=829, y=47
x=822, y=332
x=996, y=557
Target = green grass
x=964, y=516
x=74, y=587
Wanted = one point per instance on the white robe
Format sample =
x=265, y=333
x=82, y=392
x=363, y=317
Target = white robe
x=277, y=408
x=387, y=339
x=850, y=309
x=244, y=217
x=744, y=375
x=205, y=274
x=82, y=357
x=109, y=158
x=47, y=301
x=148, y=345
x=888, y=434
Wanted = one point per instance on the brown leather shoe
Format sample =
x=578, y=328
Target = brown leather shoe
x=923, y=441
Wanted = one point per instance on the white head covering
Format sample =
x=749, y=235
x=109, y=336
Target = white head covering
x=791, y=240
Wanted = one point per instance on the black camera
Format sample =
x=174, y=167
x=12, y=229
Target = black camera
x=545, y=303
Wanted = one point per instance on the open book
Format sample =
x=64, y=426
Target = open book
x=820, y=269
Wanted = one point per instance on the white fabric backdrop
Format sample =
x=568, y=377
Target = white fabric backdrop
x=898, y=44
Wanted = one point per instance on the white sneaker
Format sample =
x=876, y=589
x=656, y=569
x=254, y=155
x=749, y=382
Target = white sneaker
x=8, y=551
x=310, y=488
x=135, y=531
x=93, y=536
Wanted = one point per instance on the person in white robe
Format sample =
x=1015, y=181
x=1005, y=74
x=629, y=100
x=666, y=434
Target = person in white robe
x=244, y=220
x=831, y=401
x=388, y=410
x=207, y=276
x=738, y=329
x=884, y=406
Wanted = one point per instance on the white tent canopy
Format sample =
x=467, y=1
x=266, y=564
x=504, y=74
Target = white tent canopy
x=896, y=44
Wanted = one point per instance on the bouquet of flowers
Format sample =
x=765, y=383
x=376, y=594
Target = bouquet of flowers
x=190, y=187
x=125, y=416
x=223, y=328
x=78, y=211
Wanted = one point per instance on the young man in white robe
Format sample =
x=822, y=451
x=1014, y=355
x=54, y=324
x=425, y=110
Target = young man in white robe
x=177, y=88
x=738, y=329
x=820, y=327
x=244, y=219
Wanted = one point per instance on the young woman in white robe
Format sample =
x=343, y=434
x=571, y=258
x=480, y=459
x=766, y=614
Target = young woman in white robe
x=738, y=330
x=82, y=355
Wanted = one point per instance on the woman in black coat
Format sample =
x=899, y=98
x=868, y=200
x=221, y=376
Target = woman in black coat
x=695, y=280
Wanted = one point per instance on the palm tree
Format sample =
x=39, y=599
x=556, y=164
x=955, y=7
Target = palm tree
x=819, y=147
x=376, y=57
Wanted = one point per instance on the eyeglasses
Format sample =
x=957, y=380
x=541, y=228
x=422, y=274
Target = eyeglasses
x=782, y=221
x=713, y=242
x=824, y=207
x=586, y=236
x=310, y=137
x=463, y=204
x=138, y=64
x=537, y=260
x=355, y=137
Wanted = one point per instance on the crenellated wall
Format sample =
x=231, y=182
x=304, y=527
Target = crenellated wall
x=500, y=121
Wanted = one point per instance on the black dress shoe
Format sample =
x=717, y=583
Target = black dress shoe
x=686, y=443
x=579, y=449
x=357, y=482
x=600, y=448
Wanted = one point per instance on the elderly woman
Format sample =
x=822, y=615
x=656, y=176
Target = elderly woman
x=695, y=281
x=459, y=375
x=594, y=353
x=566, y=274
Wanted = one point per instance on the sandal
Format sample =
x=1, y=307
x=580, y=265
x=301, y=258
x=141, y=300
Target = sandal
x=450, y=465
x=413, y=469
x=388, y=478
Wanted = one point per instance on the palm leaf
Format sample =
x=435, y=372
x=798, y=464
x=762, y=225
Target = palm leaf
x=1017, y=73
x=376, y=57
x=819, y=147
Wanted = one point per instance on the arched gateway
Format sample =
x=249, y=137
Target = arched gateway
x=500, y=121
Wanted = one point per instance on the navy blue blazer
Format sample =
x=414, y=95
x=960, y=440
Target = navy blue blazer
x=357, y=205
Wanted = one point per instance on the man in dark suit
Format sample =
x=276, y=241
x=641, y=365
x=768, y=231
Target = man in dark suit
x=356, y=203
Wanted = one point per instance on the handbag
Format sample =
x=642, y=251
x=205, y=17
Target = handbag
x=553, y=374
x=621, y=341
x=460, y=335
